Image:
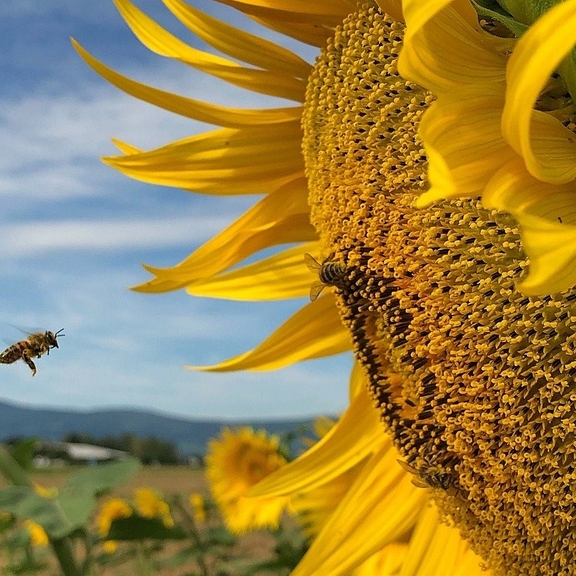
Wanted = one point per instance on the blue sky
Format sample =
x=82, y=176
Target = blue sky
x=74, y=232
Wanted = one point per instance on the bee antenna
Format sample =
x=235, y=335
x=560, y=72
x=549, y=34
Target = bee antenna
x=58, y=333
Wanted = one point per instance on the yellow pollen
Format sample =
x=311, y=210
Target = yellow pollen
x=474, y=380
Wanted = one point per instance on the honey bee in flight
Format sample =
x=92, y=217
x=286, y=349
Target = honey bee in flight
x=428, y=476
x=330, y=273
x=34, y=346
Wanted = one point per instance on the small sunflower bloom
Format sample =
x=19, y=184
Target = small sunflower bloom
x=38, y=536
x=150, y=504
x=235, y=462
x=504, y=124
x=198, y=505
x=45, y=492
x=466, y=381
x=111, y=509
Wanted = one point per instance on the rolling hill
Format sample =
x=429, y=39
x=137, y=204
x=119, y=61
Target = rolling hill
x=190, y=436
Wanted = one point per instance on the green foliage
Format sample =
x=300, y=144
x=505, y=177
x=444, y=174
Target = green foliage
x=139, y=528
x=145, y=546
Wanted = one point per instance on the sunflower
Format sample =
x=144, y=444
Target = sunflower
x=198, y=505
x=110, y=510
x=390, y=179
x=504, y=123
x=235, y=462
x=38, y=536
x=150, y=504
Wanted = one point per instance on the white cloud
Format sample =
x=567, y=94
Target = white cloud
x=31, y=239
x=73, y=232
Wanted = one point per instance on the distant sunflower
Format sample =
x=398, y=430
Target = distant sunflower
x=235, y=462
x=109, y=511
x=150, y=504
x=38, y=536
x=473, y=380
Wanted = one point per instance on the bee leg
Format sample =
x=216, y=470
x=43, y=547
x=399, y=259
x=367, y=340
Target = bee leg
x=28, y=360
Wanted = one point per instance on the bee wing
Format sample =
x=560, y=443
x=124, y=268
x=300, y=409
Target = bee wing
x=312, y=263
x=316, y=289
x=407, y=467
x=419, y=483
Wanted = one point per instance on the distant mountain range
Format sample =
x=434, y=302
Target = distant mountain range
x=190, y=436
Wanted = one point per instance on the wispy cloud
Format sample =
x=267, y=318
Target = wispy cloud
x=73, y=232
x=32, y=239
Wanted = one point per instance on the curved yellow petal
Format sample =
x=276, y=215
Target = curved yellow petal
x=188, y=107
x=313, y=34
x=537, y=55
x=356, y=435
x=463, y=142
x=125, y=147
x=417, y=13
x=225, y=161
x=315, y=331
x=162, y=42
x=386, y=562
x=283, y=275
x=237, y=43
x=547, y=219
x=446, y=51
x=437, y=549
x=392, y=8
x=279, y=218
x=326, y=12
x=379, y=508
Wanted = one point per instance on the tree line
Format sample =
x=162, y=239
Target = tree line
x=149, y=450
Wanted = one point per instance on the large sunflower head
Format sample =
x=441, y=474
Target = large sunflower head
x=388, y=175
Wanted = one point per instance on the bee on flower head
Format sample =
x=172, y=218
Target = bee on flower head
x=428, y=476
x=330, y=273
x=34, y=346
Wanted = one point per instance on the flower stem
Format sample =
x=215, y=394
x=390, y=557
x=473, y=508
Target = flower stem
x=65, y=555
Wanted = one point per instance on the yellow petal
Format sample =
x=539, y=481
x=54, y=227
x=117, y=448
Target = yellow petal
x=547, y=218
x=279, y=218
x=417, y=13
x=463, y=142
x=126, y=148
x=314, y=331
x=392, y=8
x=313, y=34
x=326, y=12
x=446, y=51
x=356, y=435
x=283, y=275
x=550, y=154
x=437, y=549
x=188, y=107
x=225, y=161
x=379, y=508
x=162, y=42
x=386, y=562
x=239, y=44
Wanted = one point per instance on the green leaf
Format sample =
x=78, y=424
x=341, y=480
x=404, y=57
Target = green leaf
x=77, y=505
x=491, y=9
x=22, y=501
x=11, y=470
x=23, y=452
x=139, y=528
x=527, y=11
x=102, y=477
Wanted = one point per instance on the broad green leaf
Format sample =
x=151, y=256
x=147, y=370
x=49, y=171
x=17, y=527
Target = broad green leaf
x=98, y=479
x=23, y=502
x=138, y=528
